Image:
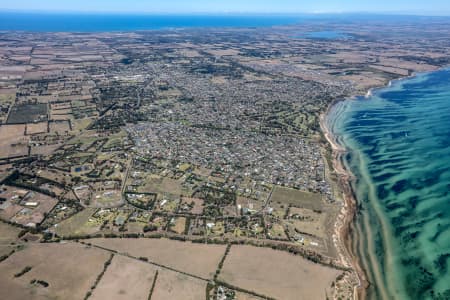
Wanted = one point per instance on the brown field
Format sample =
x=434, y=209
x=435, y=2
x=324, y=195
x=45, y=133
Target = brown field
x=58, y=106
x=59, y=127
x=365, y=80
x=8, y=234
x=60, y=117
x=162, y=185
x=411, y=65
x=387, y=69
x=125, y=278
x=178, y=225
x=244, y=296
x=298, y=198
x=62, y=111
x=350, y=57
x=197, y=259
x=69, y=269
x=176, y=286
x=222, y=52
x=276, y=274
x=34, y=128
x=13, y=142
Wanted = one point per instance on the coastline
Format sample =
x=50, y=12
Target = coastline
x=343, y=177
x=342, y=226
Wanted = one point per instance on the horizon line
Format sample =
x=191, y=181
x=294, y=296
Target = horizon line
x=280, y=13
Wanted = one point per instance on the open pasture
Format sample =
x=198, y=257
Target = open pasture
x=176, y=286
x=125, y=278
x=68, y=269
x=296, y=198
x=197, y=259
x=13, y=141
x=276, y=274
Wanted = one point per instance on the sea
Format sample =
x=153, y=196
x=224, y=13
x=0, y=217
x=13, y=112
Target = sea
x=398, y=149
x=40, y=21
x=90, y=22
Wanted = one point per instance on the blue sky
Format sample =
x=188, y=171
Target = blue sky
x=432, y=7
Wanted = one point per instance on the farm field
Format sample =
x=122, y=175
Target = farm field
x=8, y=235
x=69, y=270
x=197, y=259
x=13, y=141
x=125, y=278
x=276, y=274
x=34, y=128
x=176, y=286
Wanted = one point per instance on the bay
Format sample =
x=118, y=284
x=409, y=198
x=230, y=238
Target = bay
x=398, y=143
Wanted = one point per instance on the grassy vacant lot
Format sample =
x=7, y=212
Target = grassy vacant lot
x=298, y=198
x=7, y=96
x=156, y=184
x=69, y=269
x=312, y=223
x=192, y=258
x=176, y=286
x=109, y=198
x=81, y=124
x=77, y=224
x=276, y=274
x=125, y=278
x=60, y=127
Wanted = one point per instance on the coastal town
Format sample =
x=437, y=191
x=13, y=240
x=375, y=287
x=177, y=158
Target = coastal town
x=187, y=163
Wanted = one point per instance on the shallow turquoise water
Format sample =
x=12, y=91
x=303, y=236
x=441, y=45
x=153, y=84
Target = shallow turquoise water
x=399, y=150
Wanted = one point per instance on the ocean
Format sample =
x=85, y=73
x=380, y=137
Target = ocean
x=103, y=22
x=76, y=22
x=398, y=143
